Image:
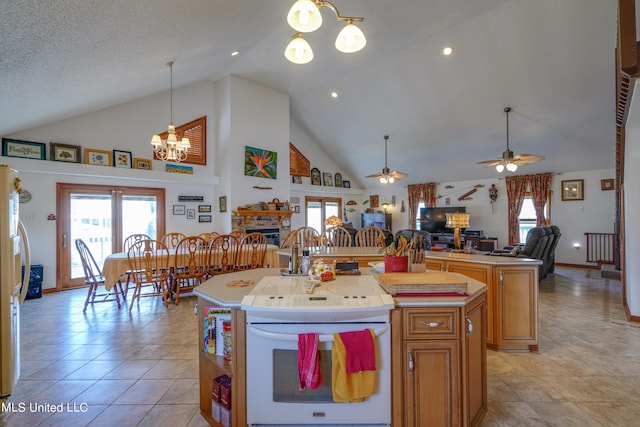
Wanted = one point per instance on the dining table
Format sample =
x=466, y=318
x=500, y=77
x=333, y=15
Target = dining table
x=117, y=264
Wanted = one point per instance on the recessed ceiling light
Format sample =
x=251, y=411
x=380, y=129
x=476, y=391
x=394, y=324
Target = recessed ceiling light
x=447, y=51
x=235, y=53
x=334, y=94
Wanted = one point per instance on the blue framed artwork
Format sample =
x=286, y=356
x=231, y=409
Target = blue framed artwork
x=260, y=163
x=24, y=149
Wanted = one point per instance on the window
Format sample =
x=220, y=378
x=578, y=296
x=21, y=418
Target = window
x=318, y=209
x=420, y=206
x=527, y=218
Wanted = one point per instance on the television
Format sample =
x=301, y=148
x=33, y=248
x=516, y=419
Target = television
x=434, y=220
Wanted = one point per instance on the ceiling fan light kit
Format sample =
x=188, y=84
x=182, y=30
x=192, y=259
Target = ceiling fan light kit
x=387, y=176
x=304, y=17
x=509, y=160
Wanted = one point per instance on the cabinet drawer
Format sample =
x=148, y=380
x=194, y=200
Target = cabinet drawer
x=430, y=323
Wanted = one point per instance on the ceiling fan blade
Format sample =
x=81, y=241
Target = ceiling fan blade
x=489, y=162
x=527, y=158
x=375, y=175
x=398, y=175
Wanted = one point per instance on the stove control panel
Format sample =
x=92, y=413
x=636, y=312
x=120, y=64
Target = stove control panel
x=330, y=301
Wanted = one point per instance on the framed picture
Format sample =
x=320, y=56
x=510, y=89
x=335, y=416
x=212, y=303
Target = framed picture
x=24, y=149
x=327, y=179
x=145, y=164
x=122, y=159
x=315, y=176
x=97, y=157
x=171, y=168
x=191, y=213
x=204, y=218
x=296, y=179
x=346, y=184
x=573, y=189
x=607, y=184
x=64, y=153
x=337, y=180
x=204, y=208
x=260, y=163
x=223, y=204
x=373, y=201
x=296, y=209
x=179, y=209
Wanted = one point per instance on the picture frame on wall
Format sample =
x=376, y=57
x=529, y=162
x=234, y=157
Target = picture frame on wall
x=191, y=213
x=144, y=164
x=122, y=159
x=607, y=184
x=327, y=179
x=97, y=157
x=573, y=189
x=24, y=149
x=374, y=201
x=315, y=176
x=346, y=184
x=204, y=218
x=204, y=208
x=64, y=152
x=179, y=209
x=337, y=180
x=223, y=204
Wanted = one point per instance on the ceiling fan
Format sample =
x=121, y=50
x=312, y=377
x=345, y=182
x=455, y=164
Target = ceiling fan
x=509, y=160
x=387, y=175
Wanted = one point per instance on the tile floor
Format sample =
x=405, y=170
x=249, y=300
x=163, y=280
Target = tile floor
x=110, y=367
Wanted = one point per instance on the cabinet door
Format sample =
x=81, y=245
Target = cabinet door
x=517, y=302
x=433, y=264
x=433, y=383
x=475, y=363
x=484, y=274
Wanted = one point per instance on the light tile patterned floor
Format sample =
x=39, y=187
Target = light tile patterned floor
x=117, y=368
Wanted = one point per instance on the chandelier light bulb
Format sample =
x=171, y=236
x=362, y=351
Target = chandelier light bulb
x=350, y=39
x=500, y=168
x=512, y=167
x=298, y=51
x=304, y=16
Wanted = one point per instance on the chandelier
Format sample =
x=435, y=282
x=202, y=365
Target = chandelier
x=305, y=17
x=170, y=149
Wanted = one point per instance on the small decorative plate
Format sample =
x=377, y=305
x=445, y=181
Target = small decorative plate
x=25, y=197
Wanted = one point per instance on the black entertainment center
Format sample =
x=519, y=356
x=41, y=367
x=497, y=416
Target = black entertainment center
x=434, y=220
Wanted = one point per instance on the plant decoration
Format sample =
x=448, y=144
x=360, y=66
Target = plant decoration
x=16, y=184
x=260, y=163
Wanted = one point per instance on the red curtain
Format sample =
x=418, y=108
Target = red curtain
x=418, y=193
x=540, y=185
x=516, y=192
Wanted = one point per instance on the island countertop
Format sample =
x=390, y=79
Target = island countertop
x=228, y=289
x=496, y=260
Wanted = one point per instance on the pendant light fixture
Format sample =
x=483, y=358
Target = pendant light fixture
x=304, y=17
x=170, y=149
x=387, y=176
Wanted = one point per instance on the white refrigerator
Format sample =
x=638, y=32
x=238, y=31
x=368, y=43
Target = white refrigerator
x=14, y=253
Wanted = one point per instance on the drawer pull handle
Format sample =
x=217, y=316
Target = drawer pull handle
x=469, y=326
x=431, y=324
x=410, y=361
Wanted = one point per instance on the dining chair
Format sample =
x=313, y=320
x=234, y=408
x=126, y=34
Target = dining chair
x=370, y=236
x=336, y=237
x=149, y=266
x=307, y=237
x=288, y=241
x=208, y=236
x=93, y=278
x=223, y=255
x=172, y=239
x=191, y=265
x=128, y=242
x=238, y=234
x=253, y=250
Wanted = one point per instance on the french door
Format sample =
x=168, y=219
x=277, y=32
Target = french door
x=318, y=209
x=103, y=216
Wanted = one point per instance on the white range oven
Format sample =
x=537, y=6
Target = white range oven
x=277, y=310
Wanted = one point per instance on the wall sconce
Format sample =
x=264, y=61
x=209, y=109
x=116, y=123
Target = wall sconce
x=576, y=246
x=385, y=206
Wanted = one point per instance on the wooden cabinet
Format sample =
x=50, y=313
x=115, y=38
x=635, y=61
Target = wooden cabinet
x=440, y=357
x=212, y=366
x=512, y=299
x=377, y=219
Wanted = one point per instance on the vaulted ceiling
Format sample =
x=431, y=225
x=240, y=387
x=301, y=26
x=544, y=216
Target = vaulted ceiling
x=552, y=61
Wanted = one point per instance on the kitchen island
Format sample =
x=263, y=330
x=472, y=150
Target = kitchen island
x=512, y=294
x=438, y=349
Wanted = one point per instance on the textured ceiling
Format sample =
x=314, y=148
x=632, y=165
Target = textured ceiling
x=552, y=61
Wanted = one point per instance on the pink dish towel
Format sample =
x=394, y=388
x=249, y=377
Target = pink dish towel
x=359, y=347
x=308, y=363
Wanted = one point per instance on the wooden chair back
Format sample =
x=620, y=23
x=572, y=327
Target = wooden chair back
x=149, y=267
x=191, y=264
x=208, y=236
x=130, y=240
x=370, y=236
x=172, y=239
x=253, y=250
x=223, y=254
x=336, y=237
x=93, y=278
x=307, y=237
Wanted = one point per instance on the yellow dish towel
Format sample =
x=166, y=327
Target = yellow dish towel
x=349, y=387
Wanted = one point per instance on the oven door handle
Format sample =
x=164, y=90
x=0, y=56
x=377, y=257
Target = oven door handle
x=294, y=337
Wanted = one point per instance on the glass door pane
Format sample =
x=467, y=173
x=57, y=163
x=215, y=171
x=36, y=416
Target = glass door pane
x=90, y=220
x=314, y=215
x=139, y=215
x=331, y=209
